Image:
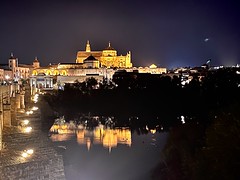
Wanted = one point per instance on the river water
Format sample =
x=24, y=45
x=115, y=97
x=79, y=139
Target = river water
x=102, y=153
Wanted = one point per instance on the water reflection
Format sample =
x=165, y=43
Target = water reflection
x=86, y=150
x=106, y=136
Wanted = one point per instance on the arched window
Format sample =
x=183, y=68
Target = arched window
x=63, y=73
x=48, y=73
x=55, y=72
x=34, y=73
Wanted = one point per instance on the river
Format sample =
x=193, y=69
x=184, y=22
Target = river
x=104, y=153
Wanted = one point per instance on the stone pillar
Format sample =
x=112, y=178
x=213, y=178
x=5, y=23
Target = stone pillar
x=22, y=104
x=18, y=96
x=27, y=95
x=13, y=111
x=33, y=90
x=45, y=83
x=15, y=88
x=7, y=115
x=32, y=87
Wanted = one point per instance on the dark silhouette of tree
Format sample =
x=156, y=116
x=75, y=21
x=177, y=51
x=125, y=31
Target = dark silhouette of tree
x=91, y=83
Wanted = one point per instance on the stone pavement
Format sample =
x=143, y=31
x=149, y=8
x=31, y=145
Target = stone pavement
x=28, y=154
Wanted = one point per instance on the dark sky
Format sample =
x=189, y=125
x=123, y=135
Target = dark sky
x=168, y=33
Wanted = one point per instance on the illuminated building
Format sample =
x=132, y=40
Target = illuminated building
x=97, y=64
x=13, y=71
x=19, y=71
x=107, y=57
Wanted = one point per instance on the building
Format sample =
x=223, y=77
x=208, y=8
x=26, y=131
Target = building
x=98, y=64
x=19, y=71
x=15, y=72
x=107, y=57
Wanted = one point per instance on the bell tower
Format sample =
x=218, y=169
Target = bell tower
x=36, y=63
x=12, y=62
x=88, y=48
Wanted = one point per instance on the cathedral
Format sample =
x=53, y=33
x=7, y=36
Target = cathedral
x=98, y=64
x=107, y=58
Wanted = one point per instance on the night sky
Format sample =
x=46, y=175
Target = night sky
x=168, y=33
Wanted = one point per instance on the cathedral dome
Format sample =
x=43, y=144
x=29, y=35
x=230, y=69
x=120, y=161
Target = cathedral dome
x=109, y=47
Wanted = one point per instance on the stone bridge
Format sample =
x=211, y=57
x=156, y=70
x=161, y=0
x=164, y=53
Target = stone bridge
x=25, y=150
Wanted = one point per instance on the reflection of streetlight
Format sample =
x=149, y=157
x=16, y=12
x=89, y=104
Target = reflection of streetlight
x=153, y=131
x=183, y=119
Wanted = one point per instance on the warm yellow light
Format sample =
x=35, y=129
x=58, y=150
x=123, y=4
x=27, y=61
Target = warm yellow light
x=88, y=144
x=153, y=66
x=35, y=98
x=7, y=77
x=108, y=137
x=35, y=108
x=29, y=112
x=27, y=153
x=24, y=154
x=153, y=131
x=21, y=110
x=28, y=129
x=30, y=151
x=25, y=122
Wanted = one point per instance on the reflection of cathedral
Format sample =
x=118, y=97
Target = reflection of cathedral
x=109, y=138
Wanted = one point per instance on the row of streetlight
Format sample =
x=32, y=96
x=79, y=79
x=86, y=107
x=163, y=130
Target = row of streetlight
x=27, y=129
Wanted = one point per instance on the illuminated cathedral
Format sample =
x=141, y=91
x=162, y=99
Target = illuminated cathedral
x=100, y=65
x=107, y=57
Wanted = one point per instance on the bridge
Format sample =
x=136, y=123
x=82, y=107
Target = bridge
x=25, y=151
